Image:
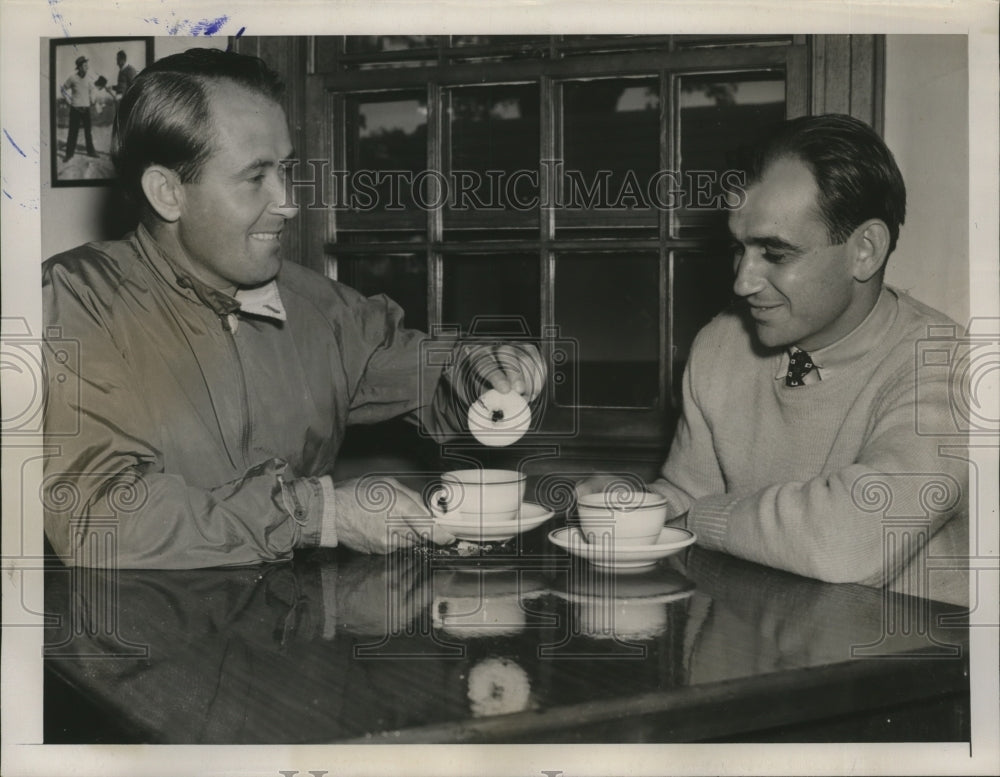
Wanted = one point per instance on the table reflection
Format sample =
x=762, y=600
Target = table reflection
x=336, y=646
x=629, y=607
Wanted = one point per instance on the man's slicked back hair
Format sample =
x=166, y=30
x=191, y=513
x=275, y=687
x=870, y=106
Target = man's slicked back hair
x=165, y=119
x=855, y=171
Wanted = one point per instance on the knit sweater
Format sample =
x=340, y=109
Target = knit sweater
x=833, y=480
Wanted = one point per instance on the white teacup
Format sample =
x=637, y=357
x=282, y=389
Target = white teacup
x=627, y=518
x=487, y=494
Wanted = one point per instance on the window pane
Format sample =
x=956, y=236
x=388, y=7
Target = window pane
x=386, y=147
x=611, y=150
x=401, y=277
x=610, y=304
x=718, y=113
x=501, y=290
x=494, y=137
x=702, y=287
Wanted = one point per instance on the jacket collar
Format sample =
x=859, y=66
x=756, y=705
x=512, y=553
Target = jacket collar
x=262, y=301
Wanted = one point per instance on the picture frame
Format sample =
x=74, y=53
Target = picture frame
x=88, y=78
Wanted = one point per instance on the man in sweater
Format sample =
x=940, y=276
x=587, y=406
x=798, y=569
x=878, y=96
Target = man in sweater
x=201, y=422
x=798, y=443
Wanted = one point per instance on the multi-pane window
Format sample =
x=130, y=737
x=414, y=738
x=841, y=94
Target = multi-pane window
x=575, y=185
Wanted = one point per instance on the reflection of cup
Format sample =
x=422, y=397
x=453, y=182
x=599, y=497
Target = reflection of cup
x=492, y=584
x=489, y=494
x=607, y=605
x=607, y=618
x=661, y=584
x=628, y=518
x=478, y=616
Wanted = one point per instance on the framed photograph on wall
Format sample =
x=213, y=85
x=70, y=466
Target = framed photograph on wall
x=88, y=78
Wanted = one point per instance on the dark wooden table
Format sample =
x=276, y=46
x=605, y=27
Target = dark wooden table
x=528, y=646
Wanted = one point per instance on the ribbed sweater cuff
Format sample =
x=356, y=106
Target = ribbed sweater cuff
x=709, y=519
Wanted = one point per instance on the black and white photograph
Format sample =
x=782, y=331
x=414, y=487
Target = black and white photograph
x=89, y=78
x=390, y=402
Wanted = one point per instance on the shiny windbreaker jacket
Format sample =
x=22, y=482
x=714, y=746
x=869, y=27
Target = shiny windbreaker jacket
x=188, y=433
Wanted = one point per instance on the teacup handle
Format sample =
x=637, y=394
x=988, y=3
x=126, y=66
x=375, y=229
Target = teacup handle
x=438, y=497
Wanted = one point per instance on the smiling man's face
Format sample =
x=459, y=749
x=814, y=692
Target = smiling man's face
x=232, y=216
x=800, y=289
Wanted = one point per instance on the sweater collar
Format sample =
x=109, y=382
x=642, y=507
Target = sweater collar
x=840, y=355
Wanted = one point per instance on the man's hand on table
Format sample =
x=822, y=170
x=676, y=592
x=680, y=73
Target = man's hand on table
x=380, y=515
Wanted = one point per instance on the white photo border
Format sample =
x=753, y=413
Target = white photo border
x=23, y=27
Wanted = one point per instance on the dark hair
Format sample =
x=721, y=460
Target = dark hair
x=164, y=116
x=854, y=170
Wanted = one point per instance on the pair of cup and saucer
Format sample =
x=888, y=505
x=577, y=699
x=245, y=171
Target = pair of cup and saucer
x=485, y=505
x=622, y=530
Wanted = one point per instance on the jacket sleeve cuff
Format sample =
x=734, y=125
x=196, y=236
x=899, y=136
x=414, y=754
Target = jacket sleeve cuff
x=708, y=518
x=310, y=503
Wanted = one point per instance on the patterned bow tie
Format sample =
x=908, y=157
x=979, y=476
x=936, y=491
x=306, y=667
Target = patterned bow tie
x=800, y=364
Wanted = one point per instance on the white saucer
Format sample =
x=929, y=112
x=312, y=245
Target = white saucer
x=622, y=557
x=530, y=516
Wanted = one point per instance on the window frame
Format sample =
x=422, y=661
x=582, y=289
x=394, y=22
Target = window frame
x=822, y=73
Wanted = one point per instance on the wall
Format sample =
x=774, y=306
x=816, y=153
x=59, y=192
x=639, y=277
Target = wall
x=75, y=215
x=927, y=127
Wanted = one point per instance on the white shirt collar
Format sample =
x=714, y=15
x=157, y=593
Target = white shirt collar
x=262, y=301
